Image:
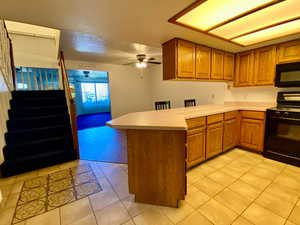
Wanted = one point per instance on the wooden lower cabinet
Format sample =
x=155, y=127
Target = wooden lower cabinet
x=231, y=133
x=252, y=134
x=214, y=139
x=196, y=147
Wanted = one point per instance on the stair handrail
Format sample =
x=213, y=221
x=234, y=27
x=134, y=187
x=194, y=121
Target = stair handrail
x=70, y=102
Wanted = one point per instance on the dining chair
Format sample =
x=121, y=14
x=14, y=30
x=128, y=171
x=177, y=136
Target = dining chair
x=162, y=105
x=189, y=102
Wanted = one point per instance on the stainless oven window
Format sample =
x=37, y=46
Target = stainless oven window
x=288, y=131
x=290, y=76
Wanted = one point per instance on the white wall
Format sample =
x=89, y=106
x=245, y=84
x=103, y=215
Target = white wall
x=177, y=91
x=34, y=51
x=129, y=91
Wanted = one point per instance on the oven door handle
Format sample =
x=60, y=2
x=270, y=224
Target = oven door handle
x=282, y=118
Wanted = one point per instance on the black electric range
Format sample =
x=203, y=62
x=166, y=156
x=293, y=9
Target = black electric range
x=282, y=136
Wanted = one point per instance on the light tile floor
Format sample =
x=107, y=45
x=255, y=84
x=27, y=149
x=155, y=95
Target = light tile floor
x=238, y=187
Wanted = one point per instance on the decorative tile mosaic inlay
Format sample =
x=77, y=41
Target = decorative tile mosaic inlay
x=48, y=192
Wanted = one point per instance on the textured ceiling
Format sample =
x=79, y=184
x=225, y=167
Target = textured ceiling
x=109, y=30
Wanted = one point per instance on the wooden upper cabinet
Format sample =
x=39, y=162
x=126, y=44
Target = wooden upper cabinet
x=228, y=66
x=288, y=52
x=244, y=69
x=203, y=62
x=217, y=62
x=186, y=53
x=265, y=66
x=214, y=139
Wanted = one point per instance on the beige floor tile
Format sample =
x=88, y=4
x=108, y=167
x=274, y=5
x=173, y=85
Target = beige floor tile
x=292, y=174
x=6, y=216
x=242, y=167
x=245, y=190
x=193, y=176
x=264, y=173
x=130, y=222
x=122, y=190
x=232, y=171
x=7, y=181
x=152, y=217
x=12, y=201
x=105, y=185
x=275, y=204
x=272, y=165
x=283, y=192
x=134, y=208
x=191, y=189
x=49, y=218
x=205, y=169
x=87, y=220
x=209, y=187
x=217, y=163
x=251, y=160
x=255, y=181
x=295, y=215
x=114, y=214
x=74, y=211
x=178, y=214
x=261, y=216
x=51, y=169
x=217, y=213
x=233, y=200
x=197, y=198
x=242, y=221
x=293, y=168
x=233, y=154
x=195, y=219
x=289, y=223
x=103, y=199
x=288, y=181
x=222, y=178
x=26, y=176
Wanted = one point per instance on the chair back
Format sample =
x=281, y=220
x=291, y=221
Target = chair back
x=189, y=102
x=162, y=105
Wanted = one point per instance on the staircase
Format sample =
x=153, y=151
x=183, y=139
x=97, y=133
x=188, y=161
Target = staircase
x=39, y=132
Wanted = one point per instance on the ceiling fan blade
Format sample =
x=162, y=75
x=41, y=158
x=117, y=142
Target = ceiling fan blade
x=154, y=62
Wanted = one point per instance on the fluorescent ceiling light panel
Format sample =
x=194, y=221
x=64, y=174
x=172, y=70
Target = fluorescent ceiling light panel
x=266, y=17
x=211, y=13
x=278, y=31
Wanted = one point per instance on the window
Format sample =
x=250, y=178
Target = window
x=94, y=92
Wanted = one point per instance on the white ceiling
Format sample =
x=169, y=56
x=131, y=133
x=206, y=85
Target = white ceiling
x=109, y=30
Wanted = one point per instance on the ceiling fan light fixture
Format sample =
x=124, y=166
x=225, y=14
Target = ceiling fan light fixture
x=141, y=65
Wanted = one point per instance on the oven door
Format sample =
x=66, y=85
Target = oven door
x=283, y=136
x=288, y=75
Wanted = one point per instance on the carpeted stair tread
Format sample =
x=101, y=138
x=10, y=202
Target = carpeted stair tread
x=38, y=133
x=26, y=135
x=29, y=163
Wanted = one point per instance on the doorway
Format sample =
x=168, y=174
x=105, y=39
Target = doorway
x=92, y=97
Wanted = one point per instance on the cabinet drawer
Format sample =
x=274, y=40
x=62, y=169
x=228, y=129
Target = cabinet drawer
x=253, y=115
x=215, y=118
x=230, y=115
x=195, y=131
x=196, y=122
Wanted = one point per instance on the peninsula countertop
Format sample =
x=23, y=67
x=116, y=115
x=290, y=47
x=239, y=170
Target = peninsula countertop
x=174, y=119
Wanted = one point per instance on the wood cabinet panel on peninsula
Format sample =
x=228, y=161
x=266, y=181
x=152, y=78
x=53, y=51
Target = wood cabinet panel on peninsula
x=214, y=136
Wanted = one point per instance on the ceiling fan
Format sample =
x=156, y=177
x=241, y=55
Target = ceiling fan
x=142, y=61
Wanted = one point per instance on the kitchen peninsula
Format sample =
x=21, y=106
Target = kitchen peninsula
x=162, y=144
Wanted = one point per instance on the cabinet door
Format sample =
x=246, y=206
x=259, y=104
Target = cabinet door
x=186, y=59
x=214, y=139
x=289, y=52
x=203, y=62
x=231, y=134
x=265, y=63
x=228, y=66
x=217, y=69
x=196, y=147
x=244, y=69
x=252, y=134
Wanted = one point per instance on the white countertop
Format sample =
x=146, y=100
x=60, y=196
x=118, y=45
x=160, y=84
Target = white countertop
x=174, y=119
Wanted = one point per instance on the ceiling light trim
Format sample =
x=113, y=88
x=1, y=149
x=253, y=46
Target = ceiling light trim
x=265, y=27
x=195, y=4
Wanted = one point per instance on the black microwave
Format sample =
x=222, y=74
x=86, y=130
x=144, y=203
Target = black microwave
x=288, y=75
